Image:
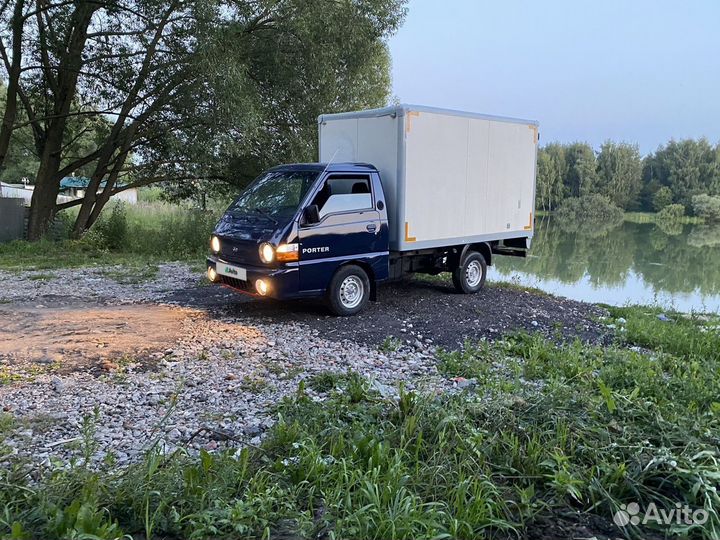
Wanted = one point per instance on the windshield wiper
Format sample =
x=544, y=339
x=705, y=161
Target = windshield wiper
x=266, y=214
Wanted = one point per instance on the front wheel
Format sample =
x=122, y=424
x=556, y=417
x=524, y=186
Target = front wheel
x=349, y=291
x=469, y=277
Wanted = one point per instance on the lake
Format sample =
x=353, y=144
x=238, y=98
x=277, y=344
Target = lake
x=667, y=264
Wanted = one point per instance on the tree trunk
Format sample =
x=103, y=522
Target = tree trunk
x=47, y=182
x=42, y=209
x=8, y=121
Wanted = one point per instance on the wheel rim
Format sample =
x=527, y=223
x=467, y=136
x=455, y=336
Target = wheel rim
x=352, y=291
x=473, y=273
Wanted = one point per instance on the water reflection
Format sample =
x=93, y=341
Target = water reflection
x=673, y=265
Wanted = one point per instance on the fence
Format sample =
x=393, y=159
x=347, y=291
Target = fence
x=12, y=219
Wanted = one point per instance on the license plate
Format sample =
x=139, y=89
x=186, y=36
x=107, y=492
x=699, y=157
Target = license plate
x=231, y=271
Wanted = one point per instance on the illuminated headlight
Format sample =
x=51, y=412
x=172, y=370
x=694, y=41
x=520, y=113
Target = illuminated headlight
x=267, y=253
x=212, y=274
x=262, y=287
x=215, y=244
x=287, y=252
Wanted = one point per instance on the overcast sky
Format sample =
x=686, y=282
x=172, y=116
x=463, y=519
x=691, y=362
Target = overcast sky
x=641, y=71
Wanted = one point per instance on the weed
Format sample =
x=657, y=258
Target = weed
x=7, y=423
x=41, y=277
x=390, y=344
x=253, y=385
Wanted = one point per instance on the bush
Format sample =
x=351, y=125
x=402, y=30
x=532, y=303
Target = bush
x=706, y=207
x=590, y=214
x=672, y=212
x=114, y=228
x=662, y=198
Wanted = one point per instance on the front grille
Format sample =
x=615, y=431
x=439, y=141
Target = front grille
x=235, y=283
x=239, y=251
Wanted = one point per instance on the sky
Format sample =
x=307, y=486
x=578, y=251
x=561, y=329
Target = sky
x=641, y=71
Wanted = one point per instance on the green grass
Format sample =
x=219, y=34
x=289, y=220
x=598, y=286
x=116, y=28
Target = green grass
x=550, y=429
x=134, y=235
x=684, y=335
x=390, y=344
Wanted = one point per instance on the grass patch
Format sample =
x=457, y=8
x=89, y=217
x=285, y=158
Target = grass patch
x=131, y=235
x=390, y=344
x=686, y=336
x=7, y=423
x=550, y=429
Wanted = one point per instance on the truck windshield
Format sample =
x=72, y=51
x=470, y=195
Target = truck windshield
x=275, y=194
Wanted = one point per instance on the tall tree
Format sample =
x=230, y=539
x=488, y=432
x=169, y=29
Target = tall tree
x=550, y=171
x=182, y=88
x=688, y=167
x=620, y=173
x=581, y=177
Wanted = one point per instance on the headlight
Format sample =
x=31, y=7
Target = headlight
x=215, y=244
x=267, y=253
x=212, y=274
x=287, y=252
x=262, y=287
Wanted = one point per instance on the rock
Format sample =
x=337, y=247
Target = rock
x=383, y=389
x=664, y=317
x=58, y=385
x=108, y=365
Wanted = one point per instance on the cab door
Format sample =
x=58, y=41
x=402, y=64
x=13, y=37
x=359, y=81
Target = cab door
x=350, y=228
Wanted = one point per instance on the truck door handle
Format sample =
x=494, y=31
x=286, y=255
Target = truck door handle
x=371, y=227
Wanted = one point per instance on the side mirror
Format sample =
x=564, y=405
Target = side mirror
x=312, y=214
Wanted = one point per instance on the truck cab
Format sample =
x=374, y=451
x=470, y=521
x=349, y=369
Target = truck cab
x=306, y=230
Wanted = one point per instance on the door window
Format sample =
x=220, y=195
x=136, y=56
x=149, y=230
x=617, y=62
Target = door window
x=344, y=193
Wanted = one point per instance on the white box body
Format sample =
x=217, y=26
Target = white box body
x=449, y=177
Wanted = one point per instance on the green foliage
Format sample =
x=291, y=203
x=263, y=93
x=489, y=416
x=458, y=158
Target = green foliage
x=582, y=176
x=674, y=173
x=114, y=228
x=662, y=198
x=593, y=214
x=222, y=90
x=390, y=344
x=134, y=235
x=686, y=336
x=620, y=173
x=687, y=167
x=672, y=212
x=707, y=207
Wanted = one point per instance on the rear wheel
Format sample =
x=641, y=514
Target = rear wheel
x=469, y=276
x=349, y=291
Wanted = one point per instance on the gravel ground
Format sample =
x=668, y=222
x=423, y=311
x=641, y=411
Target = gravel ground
x=216, y=385
x=420, y=309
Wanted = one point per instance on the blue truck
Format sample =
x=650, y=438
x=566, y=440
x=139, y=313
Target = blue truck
x=397, y=190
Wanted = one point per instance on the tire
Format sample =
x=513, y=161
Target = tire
x=469, y=276
x=349, y=291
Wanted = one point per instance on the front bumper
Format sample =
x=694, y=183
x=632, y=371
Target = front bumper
x=284, y=282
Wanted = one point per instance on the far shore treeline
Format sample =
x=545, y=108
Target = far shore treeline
x=682, y=176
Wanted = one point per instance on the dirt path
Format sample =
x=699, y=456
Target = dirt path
x=83, y=336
